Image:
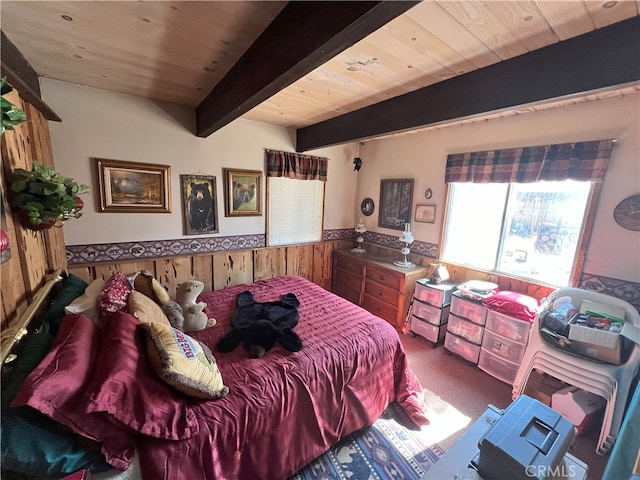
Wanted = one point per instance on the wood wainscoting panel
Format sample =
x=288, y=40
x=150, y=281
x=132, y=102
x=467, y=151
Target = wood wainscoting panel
x=269, y=263
x=232, y=268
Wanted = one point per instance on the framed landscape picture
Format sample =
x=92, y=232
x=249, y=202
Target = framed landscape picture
x=133, y=187
x=199, y=204
x=242, y=192
x=396, y=198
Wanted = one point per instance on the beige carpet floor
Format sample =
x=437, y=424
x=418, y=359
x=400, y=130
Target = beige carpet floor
x=457, y=393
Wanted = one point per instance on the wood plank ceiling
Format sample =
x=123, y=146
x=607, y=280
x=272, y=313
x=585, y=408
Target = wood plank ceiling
x=178, y=51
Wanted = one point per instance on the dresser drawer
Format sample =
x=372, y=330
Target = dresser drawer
x=386, y=277
x=350, y=293
x=346, y=263
x=429, y=313
x=382, y=292
x=382, y=309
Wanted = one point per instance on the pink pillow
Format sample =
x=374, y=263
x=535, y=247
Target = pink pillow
x=513, y=304
x=57, y=385
x=114, y=296
x=125, y=387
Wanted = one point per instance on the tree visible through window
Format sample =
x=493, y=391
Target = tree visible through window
x=531, y=230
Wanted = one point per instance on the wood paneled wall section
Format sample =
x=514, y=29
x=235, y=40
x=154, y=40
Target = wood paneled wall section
x=461, y=274
x=226, y=269
x=33, y=254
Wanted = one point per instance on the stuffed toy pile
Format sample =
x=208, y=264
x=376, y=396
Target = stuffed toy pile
x=184, y=313
x=260, y=325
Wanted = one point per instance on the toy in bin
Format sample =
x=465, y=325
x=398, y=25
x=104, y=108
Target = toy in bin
x=528, y=442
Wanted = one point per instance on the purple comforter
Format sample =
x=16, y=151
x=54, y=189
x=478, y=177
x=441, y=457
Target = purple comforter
x=282, y=411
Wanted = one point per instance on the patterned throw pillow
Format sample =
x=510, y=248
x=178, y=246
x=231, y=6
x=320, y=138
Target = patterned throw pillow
x=145, y=309
x=114, y=296
x=182, y=362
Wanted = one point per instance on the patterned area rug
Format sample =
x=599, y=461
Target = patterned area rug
x=384, y=451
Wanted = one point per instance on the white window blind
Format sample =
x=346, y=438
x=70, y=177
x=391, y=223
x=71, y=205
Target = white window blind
x=294, y=211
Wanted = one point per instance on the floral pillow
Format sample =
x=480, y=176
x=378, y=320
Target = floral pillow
x=114, y=296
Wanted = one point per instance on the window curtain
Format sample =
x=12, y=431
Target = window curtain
x=293, y=165
x=585, y=161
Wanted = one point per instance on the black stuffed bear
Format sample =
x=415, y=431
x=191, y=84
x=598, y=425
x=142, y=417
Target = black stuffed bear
x=260, y=325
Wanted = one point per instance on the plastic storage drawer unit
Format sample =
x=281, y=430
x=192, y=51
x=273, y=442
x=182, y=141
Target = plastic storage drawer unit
x=469, y=309
x=464, y=328
x=437, y=295
x=429, y=313
x=433, y=333
x=462, y=347
x=498, y=367
x=503, y=347
x=509, y=327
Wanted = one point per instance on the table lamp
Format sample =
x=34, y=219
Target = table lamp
x=407, y=239
x=360, y=230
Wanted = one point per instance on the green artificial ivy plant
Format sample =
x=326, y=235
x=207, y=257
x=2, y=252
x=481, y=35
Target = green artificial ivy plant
x=11, y=116
x=45, y=195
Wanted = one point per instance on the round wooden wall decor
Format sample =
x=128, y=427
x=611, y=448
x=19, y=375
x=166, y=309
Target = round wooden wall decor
x=627, y=213
x=367, y=207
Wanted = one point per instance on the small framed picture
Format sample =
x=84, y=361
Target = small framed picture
x=242, y=193
x=133, y=187
x=199, y=204
x=425, y=213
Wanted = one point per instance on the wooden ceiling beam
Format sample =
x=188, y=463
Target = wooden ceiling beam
x=21, y=76
x=301, y=38
x=602, y=58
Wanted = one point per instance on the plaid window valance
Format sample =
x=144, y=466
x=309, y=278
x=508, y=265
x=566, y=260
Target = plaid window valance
x=294, y=165
x=585, y=161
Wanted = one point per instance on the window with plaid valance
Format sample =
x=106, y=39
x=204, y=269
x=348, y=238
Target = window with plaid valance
x=294, y=165
x=584, y=161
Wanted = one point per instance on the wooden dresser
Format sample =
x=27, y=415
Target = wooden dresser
x=375, y=283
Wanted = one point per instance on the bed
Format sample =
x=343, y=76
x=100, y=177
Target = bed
x=282, y=410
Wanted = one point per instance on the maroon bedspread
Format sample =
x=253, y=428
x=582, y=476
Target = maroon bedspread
x=282, y=411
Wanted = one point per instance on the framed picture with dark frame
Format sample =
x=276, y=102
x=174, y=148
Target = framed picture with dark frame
x=242, y=193
x=396, y=197
x=425, y=213
x=199, y=204
x=131, y=187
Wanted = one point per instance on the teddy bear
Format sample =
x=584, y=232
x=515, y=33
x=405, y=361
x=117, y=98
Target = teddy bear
x=184, y=313
x=260, y=325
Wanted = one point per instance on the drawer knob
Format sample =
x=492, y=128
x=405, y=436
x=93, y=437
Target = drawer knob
x=377, y=308
x=379, y=293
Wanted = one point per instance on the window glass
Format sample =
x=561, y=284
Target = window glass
x=295, y=211
x=530, y=230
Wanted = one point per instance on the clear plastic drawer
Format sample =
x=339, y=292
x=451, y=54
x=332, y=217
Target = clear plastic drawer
x=429, y=313
x=462, y=347
x=503, y=347
x=466, y=329
x=436, y=295
x=498, y=367
x=433, y=333
x=474, y=311
x=507, y=326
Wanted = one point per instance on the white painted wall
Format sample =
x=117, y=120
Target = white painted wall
x=100, y=124
x=613, y=251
